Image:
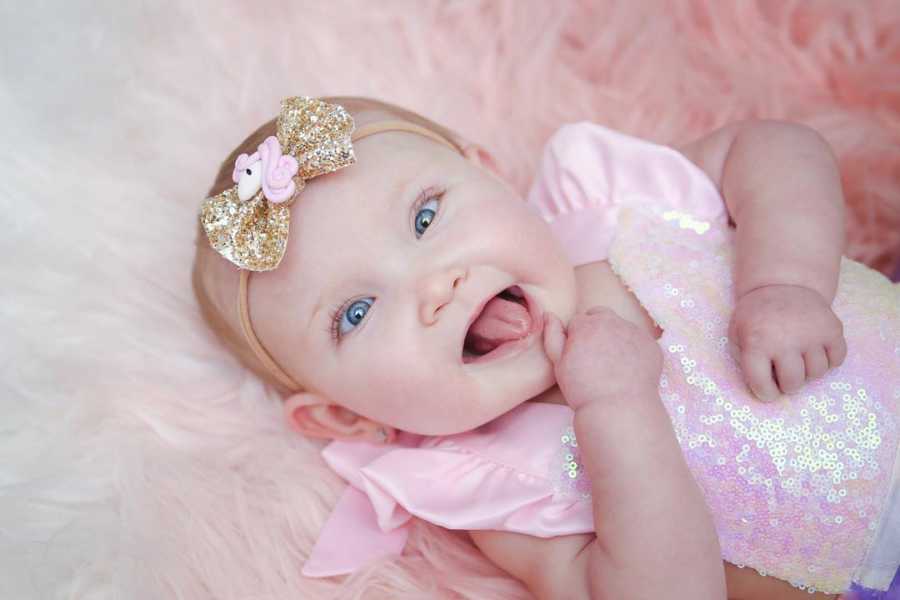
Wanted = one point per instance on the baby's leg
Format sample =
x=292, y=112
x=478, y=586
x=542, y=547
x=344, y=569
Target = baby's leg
x=748, y=584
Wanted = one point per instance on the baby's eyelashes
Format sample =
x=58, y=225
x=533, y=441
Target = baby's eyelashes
x=354, y=313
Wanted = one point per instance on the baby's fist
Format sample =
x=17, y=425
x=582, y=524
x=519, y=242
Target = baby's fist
x=601, y=357
x=786, y=335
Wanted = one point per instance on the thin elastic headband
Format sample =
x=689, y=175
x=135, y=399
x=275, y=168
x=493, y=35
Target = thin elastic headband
x=243, y=306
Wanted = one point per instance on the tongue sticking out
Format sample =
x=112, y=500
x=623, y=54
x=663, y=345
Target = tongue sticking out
x=501, y=321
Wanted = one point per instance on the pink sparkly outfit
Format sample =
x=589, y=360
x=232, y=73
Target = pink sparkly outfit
x=804, y=489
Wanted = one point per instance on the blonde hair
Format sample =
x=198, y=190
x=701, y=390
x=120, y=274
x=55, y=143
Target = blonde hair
x=215, y=280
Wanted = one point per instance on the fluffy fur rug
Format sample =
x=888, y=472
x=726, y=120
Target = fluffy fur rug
x=137, y=460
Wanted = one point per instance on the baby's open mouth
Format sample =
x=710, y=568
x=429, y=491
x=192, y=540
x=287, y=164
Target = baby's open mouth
x=504, y=320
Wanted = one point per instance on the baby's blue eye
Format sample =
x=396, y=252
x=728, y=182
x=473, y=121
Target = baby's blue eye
x=425, y=216
x=354, y=315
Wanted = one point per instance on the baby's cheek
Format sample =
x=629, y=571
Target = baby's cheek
x=406, y=396
x=380, y=373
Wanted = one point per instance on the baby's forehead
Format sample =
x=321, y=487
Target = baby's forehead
x=384, y=162
x=387, y=166
x=382, y=173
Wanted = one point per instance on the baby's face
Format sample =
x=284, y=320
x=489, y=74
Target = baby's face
x=403, y=248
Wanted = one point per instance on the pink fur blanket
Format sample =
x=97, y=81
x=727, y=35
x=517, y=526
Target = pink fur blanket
x=138, y=460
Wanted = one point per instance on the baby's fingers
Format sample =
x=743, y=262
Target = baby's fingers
x=816, y=363
x=837, y=352
x=758, y=372
x=554, y=337
x=790, y=372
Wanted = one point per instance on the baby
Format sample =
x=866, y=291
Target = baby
x=607, y=301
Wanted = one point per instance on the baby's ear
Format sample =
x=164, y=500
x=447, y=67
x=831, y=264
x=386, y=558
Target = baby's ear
x=482, y=158
x=312, y=415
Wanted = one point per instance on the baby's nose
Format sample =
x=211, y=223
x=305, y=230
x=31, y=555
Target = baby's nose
x=437, y=290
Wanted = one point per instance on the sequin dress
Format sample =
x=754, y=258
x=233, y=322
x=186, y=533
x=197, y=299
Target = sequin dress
x=804, y=489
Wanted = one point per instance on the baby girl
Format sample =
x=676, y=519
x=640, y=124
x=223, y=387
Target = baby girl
x=654, y=377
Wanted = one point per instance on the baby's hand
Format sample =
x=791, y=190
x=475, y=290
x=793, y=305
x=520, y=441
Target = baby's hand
x=601, y=358
x=786, y=335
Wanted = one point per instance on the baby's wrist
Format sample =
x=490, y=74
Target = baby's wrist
x=606, y=432
x=614, y=398
x=784, y=287
x=800, y=284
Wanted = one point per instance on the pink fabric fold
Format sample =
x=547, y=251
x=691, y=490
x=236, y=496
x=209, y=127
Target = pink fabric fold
x=439, y=479
x=439, y=485
x=351, y=538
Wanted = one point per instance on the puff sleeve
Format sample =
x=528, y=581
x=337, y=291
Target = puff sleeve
x=588, y=172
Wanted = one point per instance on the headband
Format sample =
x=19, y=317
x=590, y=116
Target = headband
x=248, y=224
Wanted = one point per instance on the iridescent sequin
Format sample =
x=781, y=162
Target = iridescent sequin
x=686, y=221
x=568, y=476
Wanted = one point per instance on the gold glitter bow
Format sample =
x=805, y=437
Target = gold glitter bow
x=248, y=223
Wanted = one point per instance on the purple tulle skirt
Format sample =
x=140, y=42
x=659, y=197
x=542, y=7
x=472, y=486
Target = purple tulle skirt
x=893, y=593
x=860, y=593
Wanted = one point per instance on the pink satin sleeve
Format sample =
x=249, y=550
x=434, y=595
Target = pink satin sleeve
x=475, y=480
x=588, y=172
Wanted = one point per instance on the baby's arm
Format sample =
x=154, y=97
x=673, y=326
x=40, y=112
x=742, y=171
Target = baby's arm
x=782, y=188
x=655, y=537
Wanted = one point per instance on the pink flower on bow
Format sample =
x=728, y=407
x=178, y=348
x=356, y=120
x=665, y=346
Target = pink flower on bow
x=277, y=174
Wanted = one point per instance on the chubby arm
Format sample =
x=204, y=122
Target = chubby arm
x=654, y=535
x=652, y=523
x=782, y=188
